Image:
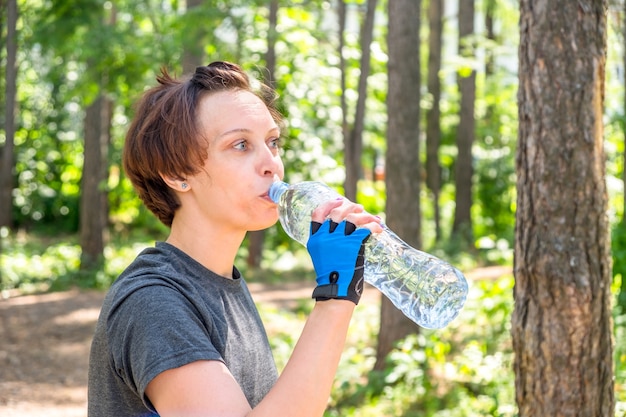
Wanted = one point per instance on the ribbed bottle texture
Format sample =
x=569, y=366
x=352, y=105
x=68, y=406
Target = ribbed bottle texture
x=428, y=290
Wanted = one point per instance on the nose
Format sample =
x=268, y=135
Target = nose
x=270, y=163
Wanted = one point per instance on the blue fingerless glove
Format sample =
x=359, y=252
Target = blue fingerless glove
x=336, y=250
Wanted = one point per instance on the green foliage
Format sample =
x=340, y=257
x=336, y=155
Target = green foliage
x=620, y=364
x=463, y=370
x=619, y=354
x=618, y=244
x=371, y=194
x=33, y=265
x=74, y=50
x=495, y=161
x=43, y=262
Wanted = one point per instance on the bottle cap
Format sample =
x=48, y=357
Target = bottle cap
x=277, y=189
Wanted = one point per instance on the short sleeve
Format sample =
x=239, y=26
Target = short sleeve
x=153, y=329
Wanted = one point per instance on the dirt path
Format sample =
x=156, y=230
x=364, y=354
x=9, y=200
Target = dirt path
x=45, y=339
x=44, y=345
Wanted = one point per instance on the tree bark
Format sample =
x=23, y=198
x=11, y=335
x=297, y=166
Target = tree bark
x=561, y=325
x=402, y=162
x=462, y=226
x=433, y=127
x=8, y=157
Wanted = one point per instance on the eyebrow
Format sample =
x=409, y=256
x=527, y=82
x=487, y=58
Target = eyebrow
x=244, y=130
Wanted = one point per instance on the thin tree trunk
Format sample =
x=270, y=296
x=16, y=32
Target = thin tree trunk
x=433, y=127
x=490, y=60
x=94, y=204
x=93, y=199
x=354, y=142
x=8, y=157
x=272, y=35
x=624, y=126
x=341, y=13
x=193, y=53
x=257, y=238
x=462, y=226
x=490, y=9
x=622, y=294
x=561, y=324
x=402, y=163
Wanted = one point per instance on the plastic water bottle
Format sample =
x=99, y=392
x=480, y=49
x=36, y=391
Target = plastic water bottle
x=428, y=290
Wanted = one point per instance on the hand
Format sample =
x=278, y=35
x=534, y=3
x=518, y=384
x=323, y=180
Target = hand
x=344, y=209
x=336, y=250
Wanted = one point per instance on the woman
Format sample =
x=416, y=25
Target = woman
x=179, y=334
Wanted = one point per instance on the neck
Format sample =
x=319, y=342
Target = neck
x=209, y=244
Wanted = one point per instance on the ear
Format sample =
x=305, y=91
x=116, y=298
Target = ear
x=176, y=183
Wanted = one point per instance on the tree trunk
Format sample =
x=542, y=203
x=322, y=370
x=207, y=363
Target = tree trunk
x=624, y=122
x=93, y=199
x=193, y=53
x=353, y=143
x=433, y=127
x=272, y=36
x=490, y=10
x=402, y=162
x=257, y=238
x=490, y=61
x=8, y=158
x=621, y=300
x=462, y=226
x=561, y=325
x=341, y=15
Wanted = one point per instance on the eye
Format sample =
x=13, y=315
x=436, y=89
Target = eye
x=241, y=145
x=275, y=143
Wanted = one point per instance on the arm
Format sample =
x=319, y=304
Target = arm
x=206, y=388
x=304, y=386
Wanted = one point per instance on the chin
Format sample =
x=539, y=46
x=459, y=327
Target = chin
x=259, y=229
x=263, y=225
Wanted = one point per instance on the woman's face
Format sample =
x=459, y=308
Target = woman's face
x=243, y=160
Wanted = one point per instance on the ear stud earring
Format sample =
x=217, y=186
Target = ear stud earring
x=184, y=185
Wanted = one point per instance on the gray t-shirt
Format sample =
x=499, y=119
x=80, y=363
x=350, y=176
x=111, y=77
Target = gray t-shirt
x=165, y=311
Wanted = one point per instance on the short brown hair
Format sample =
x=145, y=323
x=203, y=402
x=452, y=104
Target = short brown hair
x=163, y=138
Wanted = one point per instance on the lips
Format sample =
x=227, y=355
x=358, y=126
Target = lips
x=266, y=196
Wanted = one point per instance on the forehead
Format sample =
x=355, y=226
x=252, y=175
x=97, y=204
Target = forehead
x=238, y=103
x=231, y=111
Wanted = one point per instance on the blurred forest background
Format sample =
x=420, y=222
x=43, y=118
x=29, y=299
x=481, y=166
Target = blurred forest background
x=72, y=70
